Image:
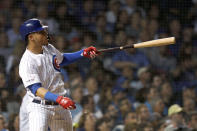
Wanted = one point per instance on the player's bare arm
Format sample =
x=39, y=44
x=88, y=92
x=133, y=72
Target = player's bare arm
x=63, y=101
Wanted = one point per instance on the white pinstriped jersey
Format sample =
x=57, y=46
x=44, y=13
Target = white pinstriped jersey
x=23, y=115
x=42, y=68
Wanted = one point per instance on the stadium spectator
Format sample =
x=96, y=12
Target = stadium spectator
x=134, y=27
x=153, y=29
x=5, y=51
x=122, y=20
x=131, y=6
x=2, y=124
x=60, y=43
x=111, y=114
x=102, y=125
x=15, y=56
x=14, y=79
x=126, y=78
x=131, y=126
x=144, y=79
x=76, y=94
x=87, y=122
x=130, y=118
x=161, y=59
x=152, y=95
x=105, y=97
x=124, y=108
x=166, y=93
x=87, y=14
x=88, y=105
x=133, y=58
x=13, y=32
x=100, y=28
x=4, y=40
x=177, y=119
x=91, y=88
x=143, y=115
x=175, y=30
x=42, y=14
x=189, y=93
x=145, y=127
x=64, y=19
x=14, y=123
x=113, y=10
x=157, y=82
x=3, y=23
x=3, y=83
x=189, y=105
x=118, y=94
x=193, y=120
x=154, y=12
x=158, y=108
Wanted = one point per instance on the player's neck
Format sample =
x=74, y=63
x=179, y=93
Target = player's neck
x=34, y=48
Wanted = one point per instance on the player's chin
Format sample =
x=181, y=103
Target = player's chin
x=45, y=42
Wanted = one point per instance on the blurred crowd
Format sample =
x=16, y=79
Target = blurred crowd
x=148, y=89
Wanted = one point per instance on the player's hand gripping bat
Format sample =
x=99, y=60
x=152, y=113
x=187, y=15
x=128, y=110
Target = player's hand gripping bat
x=152, y=43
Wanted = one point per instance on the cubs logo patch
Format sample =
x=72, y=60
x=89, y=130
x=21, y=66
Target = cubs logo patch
x=55, y=63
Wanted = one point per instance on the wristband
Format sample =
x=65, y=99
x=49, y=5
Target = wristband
x=69, y=58
x=50, y=96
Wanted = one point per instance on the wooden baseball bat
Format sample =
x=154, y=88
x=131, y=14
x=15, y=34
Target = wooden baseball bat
x=152, y=43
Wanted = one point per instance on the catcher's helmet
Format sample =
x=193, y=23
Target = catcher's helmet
x=30, y=26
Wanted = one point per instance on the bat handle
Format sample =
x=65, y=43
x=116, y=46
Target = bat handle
x=116, y=48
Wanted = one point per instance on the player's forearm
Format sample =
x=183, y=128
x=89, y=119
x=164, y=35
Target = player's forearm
x=71, y=57
x=44, y=93
x=65, y=102
x=41, y=92
x=38, y=90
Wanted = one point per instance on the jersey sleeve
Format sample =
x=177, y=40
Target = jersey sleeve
x=57, y=53
x=29, y=73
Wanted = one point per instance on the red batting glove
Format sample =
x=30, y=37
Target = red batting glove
x=90, y=52
x=66, y=102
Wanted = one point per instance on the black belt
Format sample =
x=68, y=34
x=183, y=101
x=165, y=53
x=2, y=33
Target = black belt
x=45, y=102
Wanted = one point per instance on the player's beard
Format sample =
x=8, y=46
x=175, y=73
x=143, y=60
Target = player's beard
x=45, y=41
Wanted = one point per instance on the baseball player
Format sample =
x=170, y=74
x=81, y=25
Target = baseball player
x=45, y=104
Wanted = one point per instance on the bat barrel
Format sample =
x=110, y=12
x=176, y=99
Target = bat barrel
x=152, y=43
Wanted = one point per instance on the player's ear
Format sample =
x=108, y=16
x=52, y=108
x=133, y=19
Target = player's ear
x=30, y=37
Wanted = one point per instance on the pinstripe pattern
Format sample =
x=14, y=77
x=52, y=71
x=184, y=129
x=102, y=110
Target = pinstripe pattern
x=23, y=115
x=39, y=68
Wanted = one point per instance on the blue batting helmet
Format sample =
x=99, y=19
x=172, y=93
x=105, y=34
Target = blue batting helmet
x=30, y=26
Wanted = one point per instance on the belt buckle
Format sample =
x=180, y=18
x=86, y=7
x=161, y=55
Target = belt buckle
x=43, y=102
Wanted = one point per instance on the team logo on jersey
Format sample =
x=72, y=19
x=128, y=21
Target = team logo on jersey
x=55, y=63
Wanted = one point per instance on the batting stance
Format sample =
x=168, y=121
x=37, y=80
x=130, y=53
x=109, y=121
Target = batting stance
x=45, y=104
